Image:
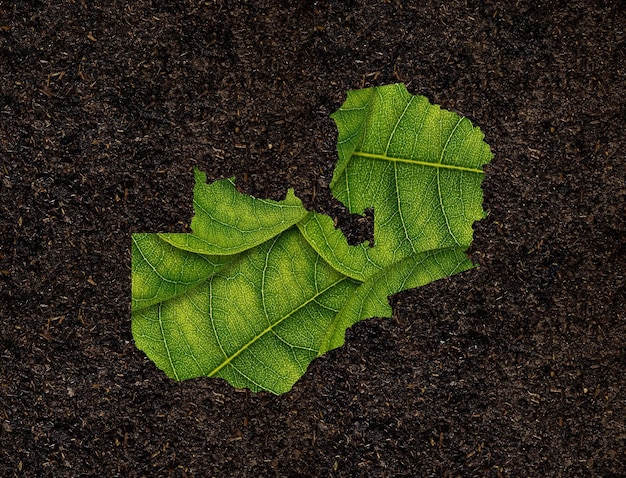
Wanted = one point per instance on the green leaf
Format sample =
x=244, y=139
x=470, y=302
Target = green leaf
x=418, y=166
x=161, y=271
x=227, y=222
x=261, y=288
x=370, y=299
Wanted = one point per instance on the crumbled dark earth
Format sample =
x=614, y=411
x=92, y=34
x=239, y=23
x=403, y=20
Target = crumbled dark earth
x=515, y=368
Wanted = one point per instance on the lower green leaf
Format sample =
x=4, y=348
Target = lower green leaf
x=371, y=298
x=258, y=323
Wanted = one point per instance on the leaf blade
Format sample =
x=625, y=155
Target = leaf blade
x=419, y=167
x=227, y=222
x=261, y=288
x=254, y=339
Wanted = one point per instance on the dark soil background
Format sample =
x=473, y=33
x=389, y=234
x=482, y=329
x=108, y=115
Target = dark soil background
x=513, y=369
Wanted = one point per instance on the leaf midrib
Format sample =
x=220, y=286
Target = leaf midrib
x=384, y=157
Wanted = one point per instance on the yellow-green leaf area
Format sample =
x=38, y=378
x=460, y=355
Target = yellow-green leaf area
x=257, y=324
x=261, y=288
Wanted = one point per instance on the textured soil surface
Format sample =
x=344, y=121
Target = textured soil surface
x=516, y=368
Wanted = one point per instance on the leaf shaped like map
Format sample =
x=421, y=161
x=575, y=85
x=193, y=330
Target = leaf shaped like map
x=261, y=288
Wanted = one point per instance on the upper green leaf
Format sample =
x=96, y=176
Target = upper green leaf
x=258, y=324
x=260, y=288
x=418, y=166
